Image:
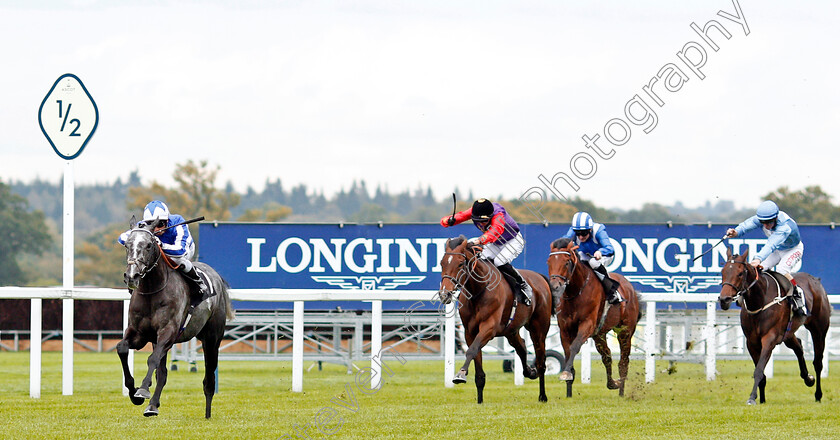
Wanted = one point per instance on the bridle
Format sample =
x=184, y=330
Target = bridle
x=457, y=284
x=146, y=268
x=739, y=293
x=571, y=265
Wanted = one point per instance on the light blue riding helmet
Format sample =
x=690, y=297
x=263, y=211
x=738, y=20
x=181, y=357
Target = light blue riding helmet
x=767, y=210
x=581, y=221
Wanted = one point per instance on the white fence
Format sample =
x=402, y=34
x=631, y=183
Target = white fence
x=375, y=297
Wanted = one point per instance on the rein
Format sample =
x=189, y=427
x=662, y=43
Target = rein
x=574, y=262
x=739, y=296
x=146, y=270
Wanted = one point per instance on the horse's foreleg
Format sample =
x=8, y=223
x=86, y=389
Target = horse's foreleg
x=759, y=380
x=578, y=339
x=519, y=346
x=161, y=373
x=624, y=342
x=795, y=344
x=166, y=338
x=485, y=334
x=122, y=350
x=479, y=378
x=538, y=337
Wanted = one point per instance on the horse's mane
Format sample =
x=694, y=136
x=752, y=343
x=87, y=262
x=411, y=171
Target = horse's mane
x=456, y=241
x=560, y=243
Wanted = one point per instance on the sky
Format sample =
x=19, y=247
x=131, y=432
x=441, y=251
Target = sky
x=489, y=97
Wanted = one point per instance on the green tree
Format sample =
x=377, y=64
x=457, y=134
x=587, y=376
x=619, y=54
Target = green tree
x=810, y=205
x=270, y=212
x=20, y=232
x=195, y=195
x=100, y=260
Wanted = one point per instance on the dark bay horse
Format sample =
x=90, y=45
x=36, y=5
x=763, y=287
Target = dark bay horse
x=158, y=310
x=767, y=320
x=485, y=302
x=581, y=313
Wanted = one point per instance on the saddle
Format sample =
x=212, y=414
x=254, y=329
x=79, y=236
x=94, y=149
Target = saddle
x=514, y=286
x=784, y=283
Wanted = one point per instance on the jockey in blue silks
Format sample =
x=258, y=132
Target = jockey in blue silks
x=176, y=243
x=783, y=249
x=595, y=248
x=501, y=240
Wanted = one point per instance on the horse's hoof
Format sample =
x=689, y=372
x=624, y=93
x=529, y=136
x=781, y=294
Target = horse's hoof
x=149, y=412
x=613, y=384
x=461, y=377
x=143, y=393
x=565, y=375
x=530, y=373
x=751, y=402
x=543, y=398
x=810, y=381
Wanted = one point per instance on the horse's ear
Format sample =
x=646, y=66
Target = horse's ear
x=746, y=252
x=728, y=252
x=574, y=248
x=133, y=222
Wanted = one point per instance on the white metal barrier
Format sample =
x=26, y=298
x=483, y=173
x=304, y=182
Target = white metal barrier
x=300, y=296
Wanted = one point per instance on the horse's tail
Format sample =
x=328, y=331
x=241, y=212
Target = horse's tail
x=230, y=314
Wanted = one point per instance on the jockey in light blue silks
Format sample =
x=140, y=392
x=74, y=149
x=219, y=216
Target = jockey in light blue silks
x=176, y=243
x=595, y=248
x=501, y=240
x=783, y=249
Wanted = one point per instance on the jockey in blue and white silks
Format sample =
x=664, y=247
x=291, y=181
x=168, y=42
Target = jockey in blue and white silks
x=596, y=249
x=176, y=243
x=783, y=249
x=501, y=240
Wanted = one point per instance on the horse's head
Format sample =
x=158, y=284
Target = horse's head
x=735, y=278
x=142, y=252
x=562, y=262
x=454, y=268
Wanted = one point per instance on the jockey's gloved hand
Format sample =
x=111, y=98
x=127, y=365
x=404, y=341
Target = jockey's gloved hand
x=475, y=241
x=450, y=221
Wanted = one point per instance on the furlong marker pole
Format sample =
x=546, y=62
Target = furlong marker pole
x=67, y=283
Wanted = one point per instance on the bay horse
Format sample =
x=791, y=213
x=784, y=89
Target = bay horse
x=157, y=311
x=767, y=319
x=581, y=312
x=486, y=306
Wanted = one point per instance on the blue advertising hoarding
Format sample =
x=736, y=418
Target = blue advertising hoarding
x=656, y=258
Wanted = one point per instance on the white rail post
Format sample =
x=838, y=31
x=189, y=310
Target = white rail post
x=35, y=348
x=67, y=283
x=768, y=369
x=650, y=342
x=297, y=348
x=376, y=345
x=130, y=351
x=586, y=361
x=449, y=346
x=518, y=378
x=711, y=340
x=825, y=353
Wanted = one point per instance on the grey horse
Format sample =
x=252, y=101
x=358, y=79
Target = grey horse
x=158, y=313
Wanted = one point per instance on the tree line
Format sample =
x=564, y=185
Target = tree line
x=30, y=215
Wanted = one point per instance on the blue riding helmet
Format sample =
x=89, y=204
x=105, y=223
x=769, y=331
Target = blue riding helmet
x=767, y=210
x=582, y=221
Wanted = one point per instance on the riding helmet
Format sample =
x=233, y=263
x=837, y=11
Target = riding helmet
x=156, y=210
x=582, y=221
x=767, y=210
x=482, y=210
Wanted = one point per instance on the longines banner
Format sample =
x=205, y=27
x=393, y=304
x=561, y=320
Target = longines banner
x=656, y=258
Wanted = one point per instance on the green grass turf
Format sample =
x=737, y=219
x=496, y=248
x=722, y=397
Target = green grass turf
x=255, y=401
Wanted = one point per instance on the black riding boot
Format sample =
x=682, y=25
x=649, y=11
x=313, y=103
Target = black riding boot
x=203, y=291
x=524, y=287
x=610, y=285
x=798, y=302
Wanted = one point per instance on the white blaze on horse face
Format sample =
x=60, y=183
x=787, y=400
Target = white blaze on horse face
x=449, y=261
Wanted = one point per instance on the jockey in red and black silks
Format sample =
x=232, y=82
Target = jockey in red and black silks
x=500, y=240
